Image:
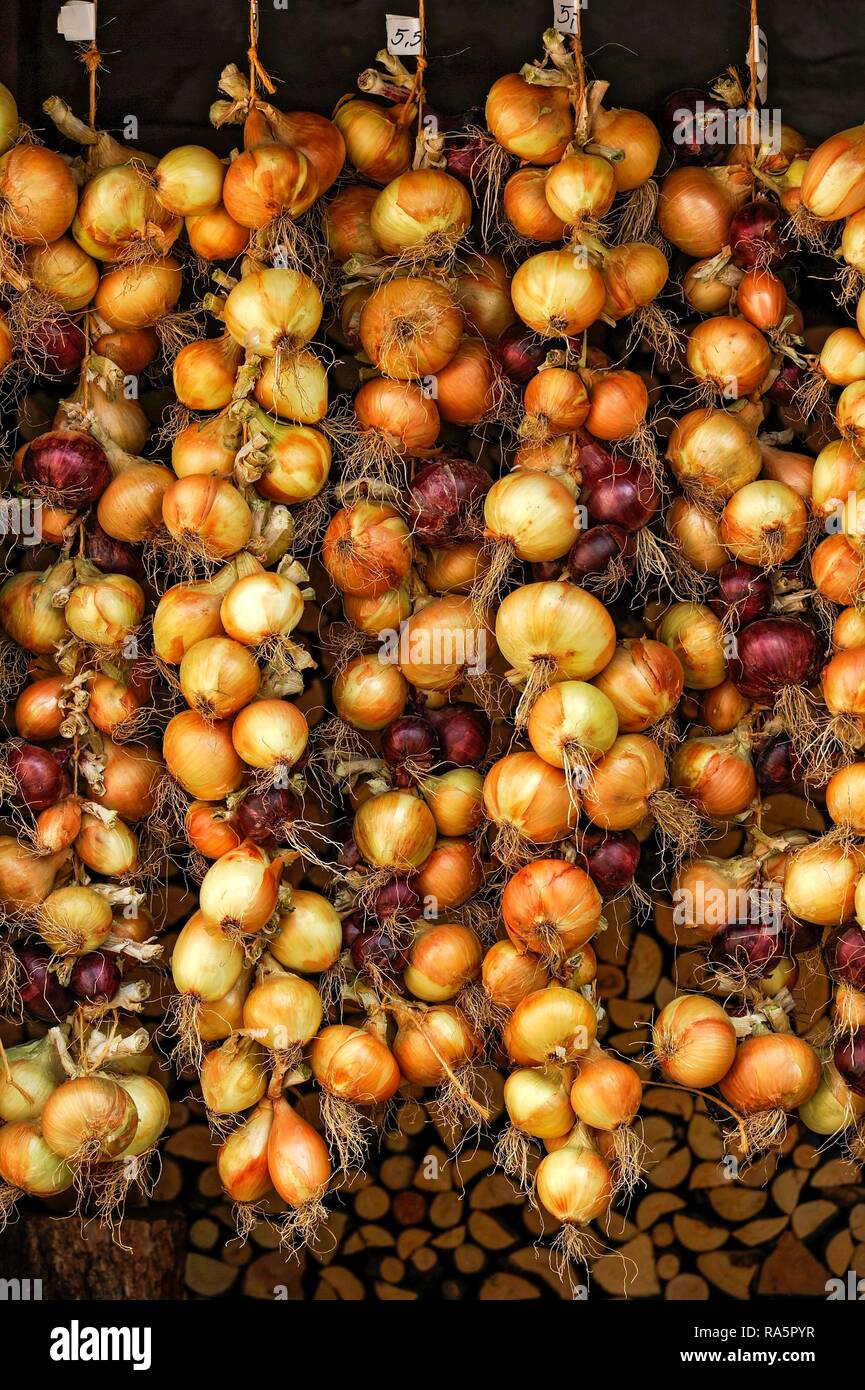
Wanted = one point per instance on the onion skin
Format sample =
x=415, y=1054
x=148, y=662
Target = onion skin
x=772, y=1070
x=694, y=1041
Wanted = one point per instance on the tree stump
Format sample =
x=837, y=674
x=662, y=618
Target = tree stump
x=86, y=1264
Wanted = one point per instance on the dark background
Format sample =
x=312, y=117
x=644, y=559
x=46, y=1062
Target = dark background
x=163, y=57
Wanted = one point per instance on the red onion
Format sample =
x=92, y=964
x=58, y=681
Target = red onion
x=543, y=571
x=444, y=502
x=463, y=733
x=777, y=766
x=410, y=746
x=42, y=994
x=845, y=956
x=684, y=117
x=597, y=550
x=787, y=383
x=745, y=593
x=800, y=936
x=95, y=978
x=752, y=947
x=381, y=950
x=594, y=460
x=756, y=235
x=353, y=926
x=463, y=154
x=396, y=899
x=39, y=778
x=59, y=347
x=349, y=856
x=111, y=556
x=262, y=816
x=518, y=353
x=773, y=653
x=609, y=859
x=849, y=1059
x=625, y=495
x=68, y=462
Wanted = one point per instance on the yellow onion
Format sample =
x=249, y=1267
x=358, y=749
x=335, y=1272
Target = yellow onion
x=771, y=1071
x=298, y=464
x=297, y=1158
x=130, y=775
x=451, y=569
x=424, y=211
x=483, y=292
x=442, y=643
x=91, y=1116
x=716, y=774
x=428, y=1043
x=704, y=289
x=259, y=606
x=450, y=876
x=204, y=372
x=635, y=137
x=842, y=683
x=714, y=450
x=529, y=800
x=849, y=630
x=850, y=412
x=308, y=937
x=536, y=1099
x=410, y=327
x=694, y=1041
x=572, y=723
x=551, y=908
x=838, y=469
x=532, y=122
x=9, y=122
x=606, y=1093
x=206, y=962
x=107, y=849
x=845, y=797
x=455, y=800
x=38, y=714
x=379, y=140
x=442, y=959
x=367, y=549
x=617, y=795
x=553, y=631
x=29, y=1164
x=643, y=680
x=65, y=272
x=346, y=223
x=270, y=734
x=240, y=890
x=283, y=1011
x=695, y=636
x=834, y=182
x=273, y=311
x=216, y=236
x=118, y=207
x=618, y=404
x=833, y=1107
x=242, y=1159
x=132, y=349
x=532, y=513
x=509, y=974
x=580, y=188
x=105, y=611
x=201, y=756
x=188, y=180
x=634, y=274
x=218, y=677
x=556, y=401
x=551, y=1023
x=32, y=1072
x=206, y=446
x=557, y=293
x=394, y=831
x=267, y=180
x=208, y=512
x=836, y=569
x=354, y=1064
x=723, y=708
x=38, y=195
x=400, y=412
x=820, y=882
x=74, y=920
x=574, y=1185
x=784, y=466
x=208, y=830
x=185, y=615
x=234, y=1076
x=382, y=613
x=28, y=611
x=138, y=296
x=130, y=508
x=467, y=386
x=708, y=892
x=369, y=693
x=696, y=206
x=315, y=136
x=294, y=388
x=122, y=419
x=730, y=354
x=764, y=523
x=762, y=298
x=525, y=205
x=58, y=825
x=26, y=876
x=153, y=1109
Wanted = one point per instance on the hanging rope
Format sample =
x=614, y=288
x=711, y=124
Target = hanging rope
x=416, y=91
x=579, y=93
x=92, y=60
x=753, y=58
x=257, y=73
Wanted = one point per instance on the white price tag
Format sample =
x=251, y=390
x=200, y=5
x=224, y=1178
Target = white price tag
x=565, y=15
x=403, y=34
x=760, y=59
x=77, y=21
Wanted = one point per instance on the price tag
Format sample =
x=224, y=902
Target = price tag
x=77, y=21
x=565, y=15
x=760, y=59
x=403, y=34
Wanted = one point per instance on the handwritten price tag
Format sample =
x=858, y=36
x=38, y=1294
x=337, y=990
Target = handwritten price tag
x=565, y=15
x=403, y=34
x=760, y=58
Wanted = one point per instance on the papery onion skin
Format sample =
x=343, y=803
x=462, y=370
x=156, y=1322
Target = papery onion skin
x=534, y=123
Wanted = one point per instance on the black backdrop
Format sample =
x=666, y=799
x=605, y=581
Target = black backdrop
x=163, y=57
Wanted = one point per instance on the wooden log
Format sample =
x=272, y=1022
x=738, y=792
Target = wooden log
x=78, y=1264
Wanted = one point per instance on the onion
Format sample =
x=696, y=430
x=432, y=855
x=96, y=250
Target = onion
x=580, y=188
x=105, y=611
x=715, y=450
x=118, y=208
x=451, y=874
x=424, y=211
x=452, y=569
x=368, y=693
x=74, y=920
x=110, y=850
x=533, y=514
x=91, y=1115
x=37, y=710
x=841, y=680
x=378, y=139
x=744, y=594
x=574, y=1185
x=603, y=557
x=395, y=831
x=442, y=959
x=844, y=797
x=400, y=412
x=618, y=793
x=756, y=235
x=820, y=882
x=367, y=549
x=355, y=1065
x=28, y=612
x=723, y=708
x=842, y=357
x=242, y=1159
x=410, y=327
x=509, y=974
x=771, y=654
x=130, y=776
x=267, y=817
x=551, y=1023
x=37, y=777
x=696, y=207
x=38, y=195
x=729, y=354
x=705, y=290
x=204, y=372
x=346, y=220
x=526, y=207
x=619, y=401
x=216, y=236
x=188, y=180
x=845, y=955
x=537, y=1102
x=557, y=294
x=283, y=1011
x=762, y=298
x=716, y=773
x=66, y=462
x=295, y=389
x=764, y=523
x=694, y=634
x=208, y=830
x=208, y=513
x=534, y=123
x=273, y=311
x=571, y=724
x=834, y=182
x=443, y=502
x=40, y=991
x=643, y=680
x=138, y=296
x=528, y=801
x=265, y=181
x=95, y=978
x=634, y=273
x=206, y=962
x=298, y=464
x=551, y=908
x=297, y=1158
x=270, y=734
x=694, y=1041
x=606, y=1093
x=32, y=1071
x=554, y=631
x=130, y=508
x=611, y=860
x=309, y=935
x=29, y=1164
x=483, y=293
x=836, y=569
x=201, y=756
x=771, y=1071
x=239, y=892
x=218, y=677
x=63, y=271
x=9, y=123
x=132, y=349
x=431, y=1045
x=519, y=353
x=443, y=642
x=409, y=746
